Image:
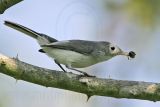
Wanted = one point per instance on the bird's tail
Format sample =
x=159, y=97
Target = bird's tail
x=22, y=29
x=38, y=36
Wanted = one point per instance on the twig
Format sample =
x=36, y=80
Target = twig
x=5, y=4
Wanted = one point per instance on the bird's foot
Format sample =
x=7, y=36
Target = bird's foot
x=87, y=75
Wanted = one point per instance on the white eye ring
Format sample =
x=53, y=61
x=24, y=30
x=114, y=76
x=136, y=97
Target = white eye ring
x=114, y=50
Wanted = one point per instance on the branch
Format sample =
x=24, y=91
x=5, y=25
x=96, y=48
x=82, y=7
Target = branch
x=87, y=85
x=5, y=4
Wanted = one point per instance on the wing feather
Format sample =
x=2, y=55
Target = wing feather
x=80, y=46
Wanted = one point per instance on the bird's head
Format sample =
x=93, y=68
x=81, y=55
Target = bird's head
x=114, y=50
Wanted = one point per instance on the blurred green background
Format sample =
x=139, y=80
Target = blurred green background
x=131, y=24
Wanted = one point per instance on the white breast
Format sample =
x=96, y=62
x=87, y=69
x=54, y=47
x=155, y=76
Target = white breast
x=72, y=58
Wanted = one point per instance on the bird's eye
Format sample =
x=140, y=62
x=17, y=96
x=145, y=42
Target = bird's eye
x=112, y=48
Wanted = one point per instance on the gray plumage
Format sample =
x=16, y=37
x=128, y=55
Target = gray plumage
x=81, y=46
x=73, y=53
x=30, y=32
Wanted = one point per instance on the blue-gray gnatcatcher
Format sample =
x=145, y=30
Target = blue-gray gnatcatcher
x=73, y=53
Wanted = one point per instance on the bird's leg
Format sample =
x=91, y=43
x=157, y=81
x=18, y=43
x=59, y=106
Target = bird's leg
x=60, y=65
x=84, y=73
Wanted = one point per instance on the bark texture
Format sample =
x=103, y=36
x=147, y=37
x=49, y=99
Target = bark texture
x=5, y=4
x=87, y=85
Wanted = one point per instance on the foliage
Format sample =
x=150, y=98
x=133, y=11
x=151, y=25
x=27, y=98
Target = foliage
x=143, y=12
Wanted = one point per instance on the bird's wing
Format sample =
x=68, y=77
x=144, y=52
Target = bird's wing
x=80, y=46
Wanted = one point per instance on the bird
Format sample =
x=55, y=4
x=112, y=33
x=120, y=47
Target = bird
x=73, y=53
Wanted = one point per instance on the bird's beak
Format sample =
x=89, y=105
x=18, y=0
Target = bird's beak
x=124, y=53
x=130, y=54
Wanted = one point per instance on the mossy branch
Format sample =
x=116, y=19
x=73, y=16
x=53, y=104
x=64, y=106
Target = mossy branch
x=87, y=85
x=5, y=4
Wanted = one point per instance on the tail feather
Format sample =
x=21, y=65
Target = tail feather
x=22, y=29
x=41, y=38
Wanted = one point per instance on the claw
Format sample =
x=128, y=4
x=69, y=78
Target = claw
x=88, y=97
x=87, y=75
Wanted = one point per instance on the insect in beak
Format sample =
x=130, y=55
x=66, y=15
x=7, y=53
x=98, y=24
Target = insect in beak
x=130, y=54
